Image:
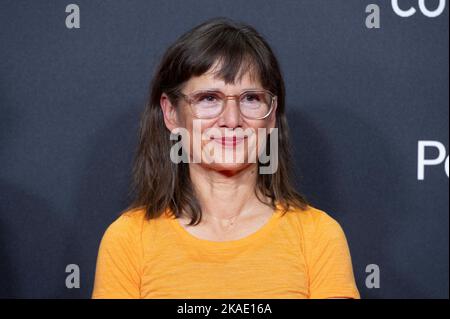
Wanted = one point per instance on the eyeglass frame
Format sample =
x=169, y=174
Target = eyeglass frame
x=188, y=98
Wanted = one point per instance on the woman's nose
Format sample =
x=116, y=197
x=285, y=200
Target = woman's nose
x=231, y=116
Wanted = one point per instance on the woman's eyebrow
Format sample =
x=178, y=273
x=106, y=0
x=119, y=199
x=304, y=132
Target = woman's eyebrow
x=209, y=89
x=217, y=89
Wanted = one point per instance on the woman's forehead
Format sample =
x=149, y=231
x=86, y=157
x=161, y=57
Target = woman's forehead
x=245, y=77
x=210, y=80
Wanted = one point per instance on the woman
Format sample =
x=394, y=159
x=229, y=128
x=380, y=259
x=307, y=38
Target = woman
x=207, y=226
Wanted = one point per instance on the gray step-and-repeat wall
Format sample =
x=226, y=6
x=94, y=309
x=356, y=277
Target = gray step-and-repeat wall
x=367, y=99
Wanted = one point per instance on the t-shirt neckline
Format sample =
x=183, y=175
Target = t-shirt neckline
x=259, y=233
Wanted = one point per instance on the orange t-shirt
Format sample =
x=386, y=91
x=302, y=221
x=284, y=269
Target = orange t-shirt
x=303, y=254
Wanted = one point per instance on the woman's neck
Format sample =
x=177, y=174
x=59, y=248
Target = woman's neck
x=224, y=195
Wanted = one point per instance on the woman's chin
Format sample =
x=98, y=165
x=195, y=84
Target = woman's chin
x=227, y=168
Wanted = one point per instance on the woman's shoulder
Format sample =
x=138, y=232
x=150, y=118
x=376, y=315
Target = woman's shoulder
x=134, y=221
x=129, y=219
x=125, y=226
x=315, y=220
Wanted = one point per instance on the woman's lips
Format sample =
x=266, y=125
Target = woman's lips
x=229, y=141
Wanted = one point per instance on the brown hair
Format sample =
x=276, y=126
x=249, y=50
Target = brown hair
x=160, y=184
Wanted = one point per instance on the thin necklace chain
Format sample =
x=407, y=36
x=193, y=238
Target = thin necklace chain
x=230, y=220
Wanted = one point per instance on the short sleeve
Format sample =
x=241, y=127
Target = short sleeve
x=118, y=269
x=330, y=268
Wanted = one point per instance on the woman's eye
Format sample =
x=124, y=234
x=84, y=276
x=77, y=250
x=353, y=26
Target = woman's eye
x=207, y=98
x=251, y=97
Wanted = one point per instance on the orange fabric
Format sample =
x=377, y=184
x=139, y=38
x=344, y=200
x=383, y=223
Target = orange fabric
x=303, y=254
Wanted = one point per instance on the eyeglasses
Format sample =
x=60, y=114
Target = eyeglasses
x=209, y=104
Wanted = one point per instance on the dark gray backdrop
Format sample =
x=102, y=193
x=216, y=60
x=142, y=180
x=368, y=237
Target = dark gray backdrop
x=358, y=100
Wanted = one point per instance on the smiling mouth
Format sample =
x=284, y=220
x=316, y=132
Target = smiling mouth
x=229, y=141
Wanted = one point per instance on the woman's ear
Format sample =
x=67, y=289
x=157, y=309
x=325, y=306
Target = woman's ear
x=169, y=112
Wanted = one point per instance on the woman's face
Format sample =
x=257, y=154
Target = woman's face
x=228, y=142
